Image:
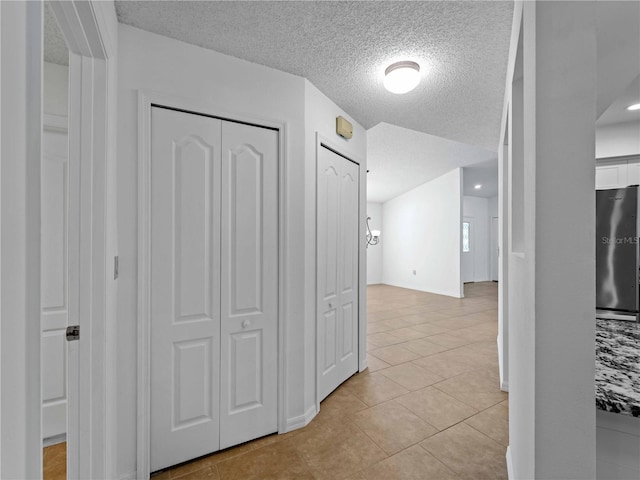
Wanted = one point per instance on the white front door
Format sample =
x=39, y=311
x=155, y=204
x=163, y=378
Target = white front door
x=337, y=299
x=468, y=247
x=213, y=285
x=54, y=282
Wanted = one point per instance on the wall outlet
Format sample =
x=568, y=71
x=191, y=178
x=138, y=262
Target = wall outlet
x=414, y=272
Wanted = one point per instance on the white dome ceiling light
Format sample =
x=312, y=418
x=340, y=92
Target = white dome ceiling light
x=635, y=106
x=402, y=77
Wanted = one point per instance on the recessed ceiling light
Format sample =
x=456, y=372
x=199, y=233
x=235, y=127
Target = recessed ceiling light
x=635, y=106
x=477, y=187
x=402, y=77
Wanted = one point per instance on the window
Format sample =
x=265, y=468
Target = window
x=465, y=237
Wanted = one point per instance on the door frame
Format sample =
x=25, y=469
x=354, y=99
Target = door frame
x=146, y=100
x=362, y=274
x=90, y=31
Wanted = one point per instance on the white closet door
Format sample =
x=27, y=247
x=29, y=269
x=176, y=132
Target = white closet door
x=185, y=289
x=338, y=212
x=248, y=403
x=54, y=297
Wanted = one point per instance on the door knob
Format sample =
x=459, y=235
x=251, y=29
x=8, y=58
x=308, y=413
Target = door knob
x=246, y=323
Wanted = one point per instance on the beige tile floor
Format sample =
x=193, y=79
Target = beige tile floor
x=428, y=406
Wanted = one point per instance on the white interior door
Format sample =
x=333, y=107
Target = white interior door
x=468, y=247
x=495, y=249
x=214, y=284
x=337, y=299
x=249, y=397
x=185, y=286
x=55, y=284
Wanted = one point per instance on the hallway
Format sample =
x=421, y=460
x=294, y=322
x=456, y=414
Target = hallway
x=429, y=405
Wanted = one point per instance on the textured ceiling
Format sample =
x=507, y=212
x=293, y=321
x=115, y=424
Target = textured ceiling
x=400, y=159
x=55, y=48
x=344, y=47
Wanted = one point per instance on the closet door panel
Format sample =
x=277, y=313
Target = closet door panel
x=249, y=283
x=348, y=265
x=185, y=286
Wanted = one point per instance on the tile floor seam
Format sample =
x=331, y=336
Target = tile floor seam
x=481, y=433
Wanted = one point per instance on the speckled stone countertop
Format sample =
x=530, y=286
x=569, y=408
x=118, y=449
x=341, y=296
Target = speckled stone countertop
x=618, y=366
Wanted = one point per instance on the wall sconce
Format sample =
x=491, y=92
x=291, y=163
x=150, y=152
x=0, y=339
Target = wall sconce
x=373, y=236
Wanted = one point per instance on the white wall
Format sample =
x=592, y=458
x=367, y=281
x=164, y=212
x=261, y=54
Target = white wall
x=374, y=252
x=552, y=276
x=152, y=62
x=618, y=140
x=477, y=209
x=55, y=89
x=20, y=134
x=422, y=233
x=492, y=206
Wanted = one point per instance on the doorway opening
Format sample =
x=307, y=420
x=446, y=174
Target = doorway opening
x=54, y=293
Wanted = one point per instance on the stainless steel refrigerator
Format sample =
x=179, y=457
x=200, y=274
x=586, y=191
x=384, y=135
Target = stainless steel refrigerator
x=617, y=254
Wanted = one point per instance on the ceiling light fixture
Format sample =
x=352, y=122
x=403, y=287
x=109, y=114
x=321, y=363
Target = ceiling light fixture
x=635, y=106
x=477, y=187
x=402, y=77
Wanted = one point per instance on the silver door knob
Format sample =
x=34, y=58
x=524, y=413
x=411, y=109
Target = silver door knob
x=246, y=323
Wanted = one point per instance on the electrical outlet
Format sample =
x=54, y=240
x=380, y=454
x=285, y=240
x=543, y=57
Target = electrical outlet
x=414, y=272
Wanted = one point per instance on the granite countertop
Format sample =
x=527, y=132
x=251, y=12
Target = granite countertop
x=618, y=366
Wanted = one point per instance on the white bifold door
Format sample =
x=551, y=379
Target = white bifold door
x=55, y=282
x=337, y=299
x=214, y=284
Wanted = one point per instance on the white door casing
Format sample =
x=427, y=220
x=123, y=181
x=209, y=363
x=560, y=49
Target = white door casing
x=185, y=288
x=90, y=32
x=249, y=267
x=214, y=284
x=87, y=29
x=337, y=269
x=55, y=281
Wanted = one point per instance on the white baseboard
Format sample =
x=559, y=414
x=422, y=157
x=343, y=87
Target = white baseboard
x=504, y=386
x=431, y=290
x=364, y=365
x=310, y=414
x=301, y=420
x=509, y=464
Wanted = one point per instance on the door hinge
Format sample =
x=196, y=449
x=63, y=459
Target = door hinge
x=73, y=333
x=116, y=261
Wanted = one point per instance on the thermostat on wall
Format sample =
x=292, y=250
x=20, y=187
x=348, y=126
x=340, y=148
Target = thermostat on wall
x=344, y=128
